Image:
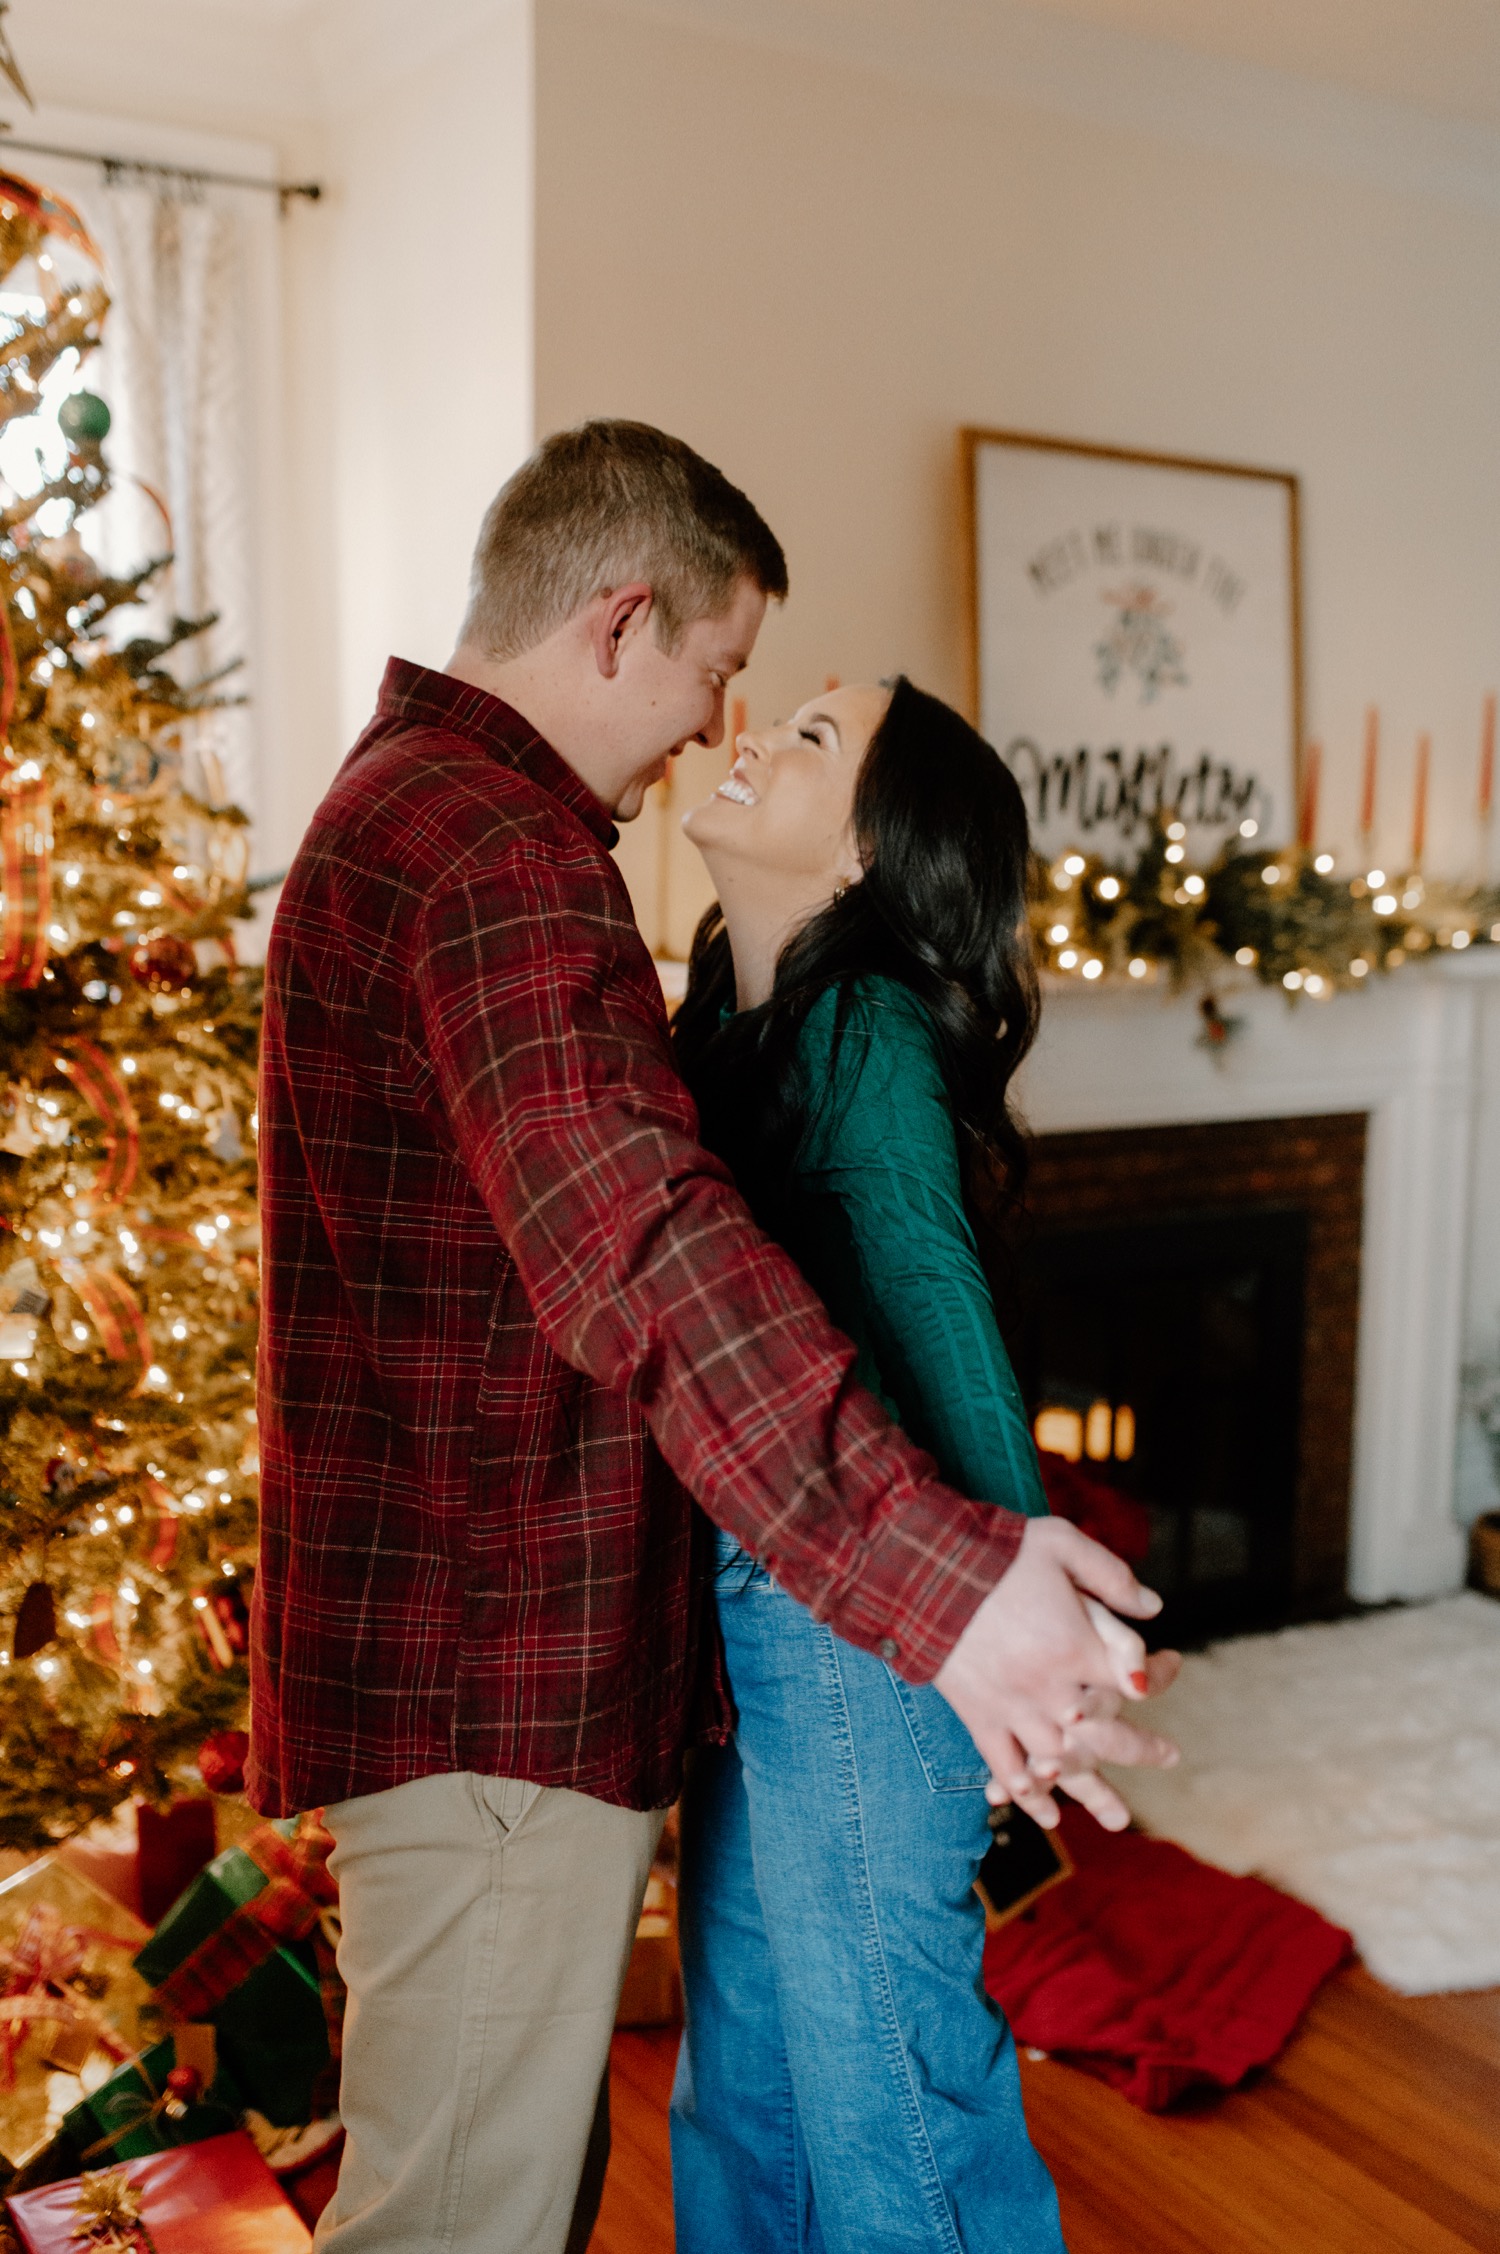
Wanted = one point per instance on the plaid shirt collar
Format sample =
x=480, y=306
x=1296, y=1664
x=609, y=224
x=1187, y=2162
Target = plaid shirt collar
x=417, y=697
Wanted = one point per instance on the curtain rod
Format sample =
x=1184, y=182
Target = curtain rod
x=112, y=167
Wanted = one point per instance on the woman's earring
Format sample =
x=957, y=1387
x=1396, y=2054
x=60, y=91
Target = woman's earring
x=840, y=892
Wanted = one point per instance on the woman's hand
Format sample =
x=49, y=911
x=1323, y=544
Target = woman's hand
x=1038, y=1676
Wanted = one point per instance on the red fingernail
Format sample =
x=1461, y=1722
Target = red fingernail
x=1138, y=1681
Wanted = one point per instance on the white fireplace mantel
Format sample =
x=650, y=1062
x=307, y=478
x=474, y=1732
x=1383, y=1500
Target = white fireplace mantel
x=1419, y=1052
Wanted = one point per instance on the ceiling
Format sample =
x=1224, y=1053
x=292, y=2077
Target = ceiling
x=1442, y=55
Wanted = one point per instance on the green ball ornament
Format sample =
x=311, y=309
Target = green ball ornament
x=84, y=418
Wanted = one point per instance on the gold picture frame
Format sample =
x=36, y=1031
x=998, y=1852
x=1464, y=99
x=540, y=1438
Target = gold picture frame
x=1207, y=481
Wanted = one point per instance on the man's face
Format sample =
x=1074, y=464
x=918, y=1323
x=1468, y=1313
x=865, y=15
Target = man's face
x=661, y=702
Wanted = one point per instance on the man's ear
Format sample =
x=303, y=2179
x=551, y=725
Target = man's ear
x=622, y=611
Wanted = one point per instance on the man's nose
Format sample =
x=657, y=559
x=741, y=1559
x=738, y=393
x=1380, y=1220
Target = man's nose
x=713, y=732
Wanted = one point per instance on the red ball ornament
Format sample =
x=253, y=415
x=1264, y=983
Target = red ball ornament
x=221, y=1760
x=165, y=964
x=185, y=2083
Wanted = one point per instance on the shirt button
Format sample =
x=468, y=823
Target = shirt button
x=888, y=1647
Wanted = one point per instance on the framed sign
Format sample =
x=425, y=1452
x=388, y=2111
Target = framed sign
x=1136, y=639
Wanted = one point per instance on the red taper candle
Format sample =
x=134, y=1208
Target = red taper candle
x=1372, y=755
x=1307, y=814
x=1419, y=804
x=1487, y=760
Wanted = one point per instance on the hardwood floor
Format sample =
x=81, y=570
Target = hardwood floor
x=1376, y=2132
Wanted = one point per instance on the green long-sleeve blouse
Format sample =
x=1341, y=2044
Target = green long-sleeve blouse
x=877, y=1224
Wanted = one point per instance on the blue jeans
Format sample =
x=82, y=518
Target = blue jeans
x=844, y=2086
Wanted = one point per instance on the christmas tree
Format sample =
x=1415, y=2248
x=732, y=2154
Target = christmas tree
x=127, y=1092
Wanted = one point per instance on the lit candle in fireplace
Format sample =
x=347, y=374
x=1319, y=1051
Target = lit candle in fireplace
x=1059, y=1432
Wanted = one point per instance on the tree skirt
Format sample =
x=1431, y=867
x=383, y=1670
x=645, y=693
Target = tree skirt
x=1356, y=1765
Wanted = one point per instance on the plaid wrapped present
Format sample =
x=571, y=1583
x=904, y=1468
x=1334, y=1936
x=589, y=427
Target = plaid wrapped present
x=219, y=2196
x=249, y=1947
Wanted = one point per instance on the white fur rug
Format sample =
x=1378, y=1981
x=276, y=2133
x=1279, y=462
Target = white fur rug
x=1358, y=1766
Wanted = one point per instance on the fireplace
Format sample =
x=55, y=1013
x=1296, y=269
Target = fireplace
x=1186, y=1329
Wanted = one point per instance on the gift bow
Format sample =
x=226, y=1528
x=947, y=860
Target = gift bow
x=144, y=2113
x=35, y=1971
x=108, y=2208
x=299, y=1898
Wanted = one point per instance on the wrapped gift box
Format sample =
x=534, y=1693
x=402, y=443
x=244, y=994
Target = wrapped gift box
x=218, y=2196
x=133, y=2114
x=228, y=1952
x=70, y=1998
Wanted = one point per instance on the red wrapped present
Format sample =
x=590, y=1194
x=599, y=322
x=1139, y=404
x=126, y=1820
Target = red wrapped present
x=220, y=2195
x=173, y=1845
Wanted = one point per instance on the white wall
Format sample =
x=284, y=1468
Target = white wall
x=817, y=270
x=428, y=396
x=402, y=379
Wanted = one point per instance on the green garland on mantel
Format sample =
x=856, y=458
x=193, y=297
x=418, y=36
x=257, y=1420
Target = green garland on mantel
x=1281, y=915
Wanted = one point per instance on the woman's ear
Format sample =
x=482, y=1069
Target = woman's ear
x=849, y=868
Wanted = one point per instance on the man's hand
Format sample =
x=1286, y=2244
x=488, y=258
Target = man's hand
x=1038, y=1674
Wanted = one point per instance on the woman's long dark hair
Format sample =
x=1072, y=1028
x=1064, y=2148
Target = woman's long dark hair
x=941, y=831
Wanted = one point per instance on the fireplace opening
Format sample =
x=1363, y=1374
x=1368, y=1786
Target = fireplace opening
x=1168, y=1355
x=1185, y=1334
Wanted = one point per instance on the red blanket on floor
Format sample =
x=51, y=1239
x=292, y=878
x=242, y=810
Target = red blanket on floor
x=1157, y=1972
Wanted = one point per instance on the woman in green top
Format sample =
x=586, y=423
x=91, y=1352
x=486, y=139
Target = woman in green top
x=857, y=1003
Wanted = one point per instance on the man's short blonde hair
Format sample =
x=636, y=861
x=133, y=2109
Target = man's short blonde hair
x=601, y=506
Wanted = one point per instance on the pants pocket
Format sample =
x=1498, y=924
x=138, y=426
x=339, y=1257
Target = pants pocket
x=949, y=1757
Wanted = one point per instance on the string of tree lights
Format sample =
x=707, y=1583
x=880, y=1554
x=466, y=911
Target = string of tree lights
x=127, y=1090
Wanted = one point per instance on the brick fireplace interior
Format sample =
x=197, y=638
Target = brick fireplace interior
x=1184, y=1326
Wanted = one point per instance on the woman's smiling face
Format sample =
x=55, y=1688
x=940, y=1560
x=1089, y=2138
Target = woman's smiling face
x=785, y=806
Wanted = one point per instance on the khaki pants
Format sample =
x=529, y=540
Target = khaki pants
x=487, y=1925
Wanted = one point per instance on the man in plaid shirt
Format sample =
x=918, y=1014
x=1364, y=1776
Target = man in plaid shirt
x=514, y=1318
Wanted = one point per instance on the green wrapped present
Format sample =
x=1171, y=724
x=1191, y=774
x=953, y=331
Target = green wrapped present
x=150, y=2105
x=249, y=1948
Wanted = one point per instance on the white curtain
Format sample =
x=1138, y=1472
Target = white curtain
x=173, y=369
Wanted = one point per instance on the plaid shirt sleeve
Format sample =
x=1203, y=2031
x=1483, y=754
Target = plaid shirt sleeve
x=644, y=1270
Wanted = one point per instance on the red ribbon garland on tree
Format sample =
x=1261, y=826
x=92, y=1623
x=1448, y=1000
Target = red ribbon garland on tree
x=25, y=842
x=114, y=1309
x=93, y=1073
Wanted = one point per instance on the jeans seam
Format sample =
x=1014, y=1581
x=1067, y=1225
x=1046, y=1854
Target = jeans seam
x=928, y=2174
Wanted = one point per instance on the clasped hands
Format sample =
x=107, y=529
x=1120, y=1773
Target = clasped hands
x=1041, y=1674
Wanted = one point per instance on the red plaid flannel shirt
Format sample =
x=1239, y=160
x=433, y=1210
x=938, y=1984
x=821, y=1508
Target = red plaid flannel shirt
x=513, y=1314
